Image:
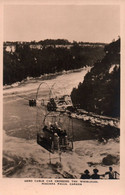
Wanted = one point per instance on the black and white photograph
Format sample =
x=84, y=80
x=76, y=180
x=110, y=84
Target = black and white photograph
x=61, y=92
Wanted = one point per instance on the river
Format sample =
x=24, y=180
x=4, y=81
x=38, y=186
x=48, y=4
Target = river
x=22, y=157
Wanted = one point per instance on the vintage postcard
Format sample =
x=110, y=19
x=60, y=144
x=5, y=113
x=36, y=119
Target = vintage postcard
x=61, y=96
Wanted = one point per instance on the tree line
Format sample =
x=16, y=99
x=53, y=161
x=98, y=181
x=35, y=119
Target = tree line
x=100, y=90
x=27, y=62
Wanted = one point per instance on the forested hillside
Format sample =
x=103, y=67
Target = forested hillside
x=100, y=90
x=30, y=62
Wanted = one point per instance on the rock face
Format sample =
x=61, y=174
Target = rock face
x=100, y=90
x=110, y=160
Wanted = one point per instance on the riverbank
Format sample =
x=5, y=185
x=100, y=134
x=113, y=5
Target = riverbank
x=95, y=119
x=45, y=77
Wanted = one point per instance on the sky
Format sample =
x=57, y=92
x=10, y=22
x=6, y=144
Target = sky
x=87, y=23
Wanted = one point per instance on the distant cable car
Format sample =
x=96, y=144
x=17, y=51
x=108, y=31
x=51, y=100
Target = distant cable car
x=32, y=102
x=51, y=106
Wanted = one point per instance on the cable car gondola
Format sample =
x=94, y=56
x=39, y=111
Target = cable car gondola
x=51, y=133
x=54, y=138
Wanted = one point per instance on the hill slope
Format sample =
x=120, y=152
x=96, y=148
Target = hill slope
x=100, y=91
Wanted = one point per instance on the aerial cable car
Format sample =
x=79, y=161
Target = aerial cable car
x=61, y=99
x=51, y=133
x=53, y=137
x=32, y=102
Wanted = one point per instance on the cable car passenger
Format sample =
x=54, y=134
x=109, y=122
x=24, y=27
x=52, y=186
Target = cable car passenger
x=47, y=133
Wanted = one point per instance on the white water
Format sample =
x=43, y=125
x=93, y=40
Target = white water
x=64, y=82
x=24, y=158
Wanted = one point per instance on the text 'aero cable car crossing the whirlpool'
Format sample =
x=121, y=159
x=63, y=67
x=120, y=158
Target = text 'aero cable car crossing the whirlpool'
x=53, y=134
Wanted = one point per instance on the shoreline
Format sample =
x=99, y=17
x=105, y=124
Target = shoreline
x=97, y=120
x=44, y=77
